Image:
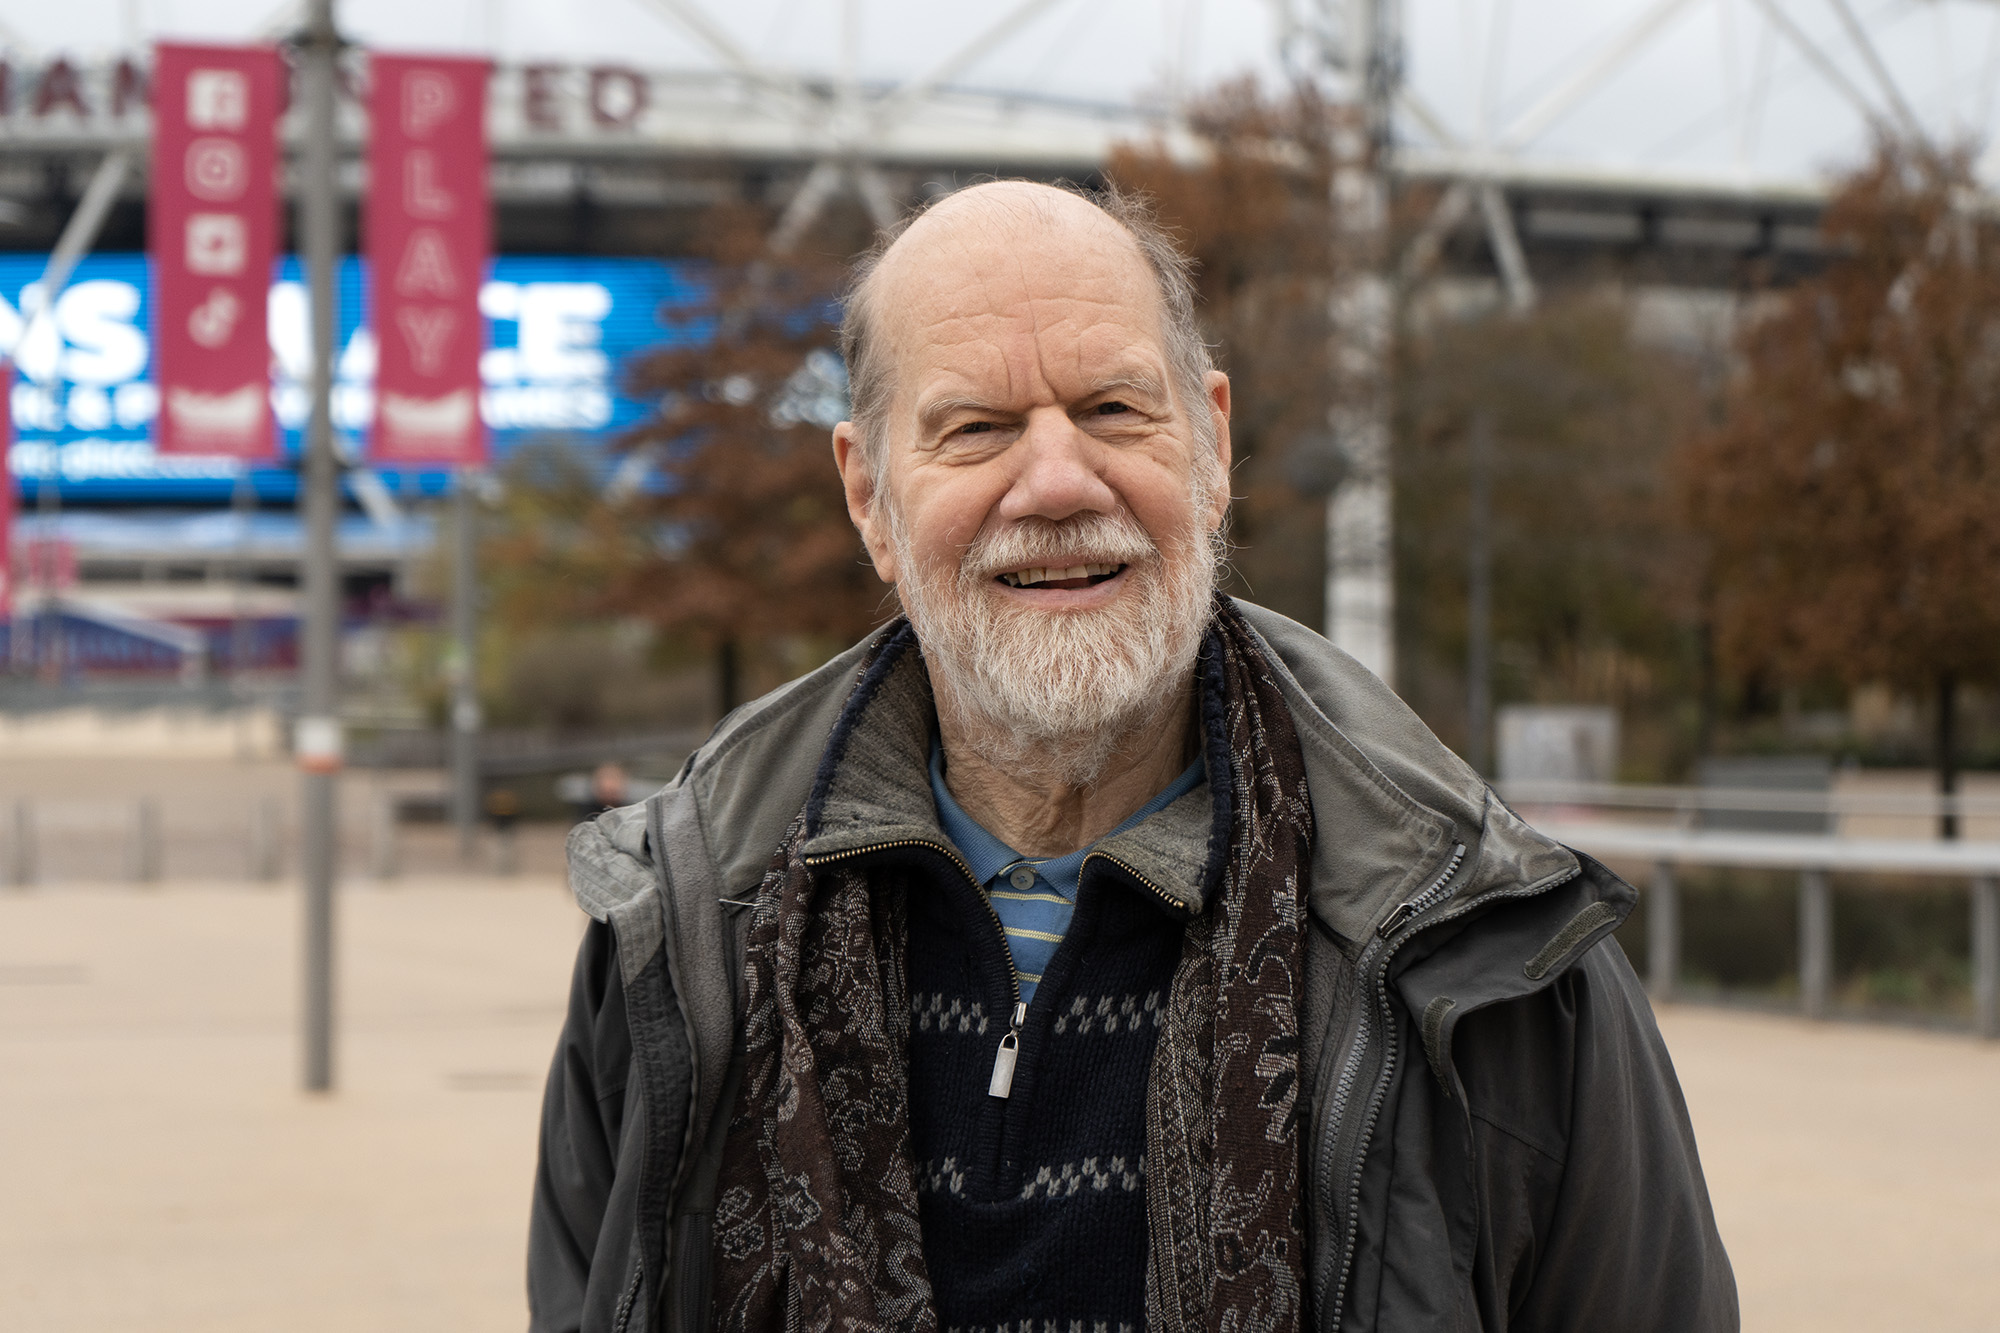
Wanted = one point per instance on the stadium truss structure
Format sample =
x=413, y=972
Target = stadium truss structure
x=1504, y=143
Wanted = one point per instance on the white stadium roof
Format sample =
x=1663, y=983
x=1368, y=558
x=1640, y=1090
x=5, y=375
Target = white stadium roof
x=1766, y=95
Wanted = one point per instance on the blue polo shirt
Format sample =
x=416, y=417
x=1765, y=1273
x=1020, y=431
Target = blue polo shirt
x=1033, y=898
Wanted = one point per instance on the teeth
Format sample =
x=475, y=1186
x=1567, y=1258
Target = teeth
x=1034, y=574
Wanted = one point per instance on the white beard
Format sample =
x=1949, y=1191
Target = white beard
x=1055, y=694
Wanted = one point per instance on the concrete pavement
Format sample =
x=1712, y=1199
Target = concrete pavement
x=160, y=1171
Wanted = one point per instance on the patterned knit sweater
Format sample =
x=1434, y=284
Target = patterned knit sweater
x=1034, y=1206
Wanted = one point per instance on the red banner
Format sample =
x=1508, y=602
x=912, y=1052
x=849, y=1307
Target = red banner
x=7, y=490
x=214, y=220
x=429, y=239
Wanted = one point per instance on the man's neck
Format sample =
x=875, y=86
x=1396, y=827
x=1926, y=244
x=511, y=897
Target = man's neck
x=1041, y=817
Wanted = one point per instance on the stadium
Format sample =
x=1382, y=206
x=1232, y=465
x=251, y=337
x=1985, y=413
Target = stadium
x=603, y=170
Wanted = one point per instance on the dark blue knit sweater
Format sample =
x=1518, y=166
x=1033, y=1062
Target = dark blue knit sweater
x=1033, y=1206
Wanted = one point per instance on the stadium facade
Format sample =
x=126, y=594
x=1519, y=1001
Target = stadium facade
x=601, y=176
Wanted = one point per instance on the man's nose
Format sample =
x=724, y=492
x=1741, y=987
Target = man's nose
x=1060, y=471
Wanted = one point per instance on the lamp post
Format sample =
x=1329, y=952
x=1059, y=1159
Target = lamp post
x=318, y=743
x=464, y=681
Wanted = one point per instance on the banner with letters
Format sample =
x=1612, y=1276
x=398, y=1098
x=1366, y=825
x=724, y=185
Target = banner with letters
x=428, y=229
x=213, y=216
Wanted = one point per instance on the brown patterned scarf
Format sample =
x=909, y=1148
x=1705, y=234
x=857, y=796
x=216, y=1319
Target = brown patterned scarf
x=816, y=1220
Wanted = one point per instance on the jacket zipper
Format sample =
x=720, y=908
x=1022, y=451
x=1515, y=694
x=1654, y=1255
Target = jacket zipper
x=1001, y=1082
x=685, y=1166
x=1173, y=904
x=1389, y=1045
x=1001, y=1085
x=629, y=1299
x=1350, y=1069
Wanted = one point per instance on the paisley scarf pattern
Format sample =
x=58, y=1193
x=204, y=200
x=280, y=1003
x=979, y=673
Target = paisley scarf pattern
x=816, y=1227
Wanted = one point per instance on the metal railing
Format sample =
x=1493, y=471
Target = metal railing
x=1689, y=802
x=134, y=836
x=1815, y=856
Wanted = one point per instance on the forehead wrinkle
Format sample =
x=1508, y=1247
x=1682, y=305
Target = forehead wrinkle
x=1003, y=221
x=992, y=250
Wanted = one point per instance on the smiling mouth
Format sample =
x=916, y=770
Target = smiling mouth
x=1058, y=576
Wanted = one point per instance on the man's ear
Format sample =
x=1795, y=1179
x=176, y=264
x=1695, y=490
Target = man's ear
x=857, y=480
x=1217, y=385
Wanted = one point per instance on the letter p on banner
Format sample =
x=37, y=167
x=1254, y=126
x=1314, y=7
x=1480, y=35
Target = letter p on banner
x=213, y=214
x=429, y=241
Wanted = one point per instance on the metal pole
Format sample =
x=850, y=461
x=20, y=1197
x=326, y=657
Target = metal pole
x=1986, y=957
x=266, y=827
x=79, y=234
x=319, y=741
x=243, y=501
x=24, y=869
x=1479, y=597
x=145, y=858
x=1815, y=943
x=465, y=691
x=48, y=506
x=388, y=861
x=1663, y=933
x=1360, y=564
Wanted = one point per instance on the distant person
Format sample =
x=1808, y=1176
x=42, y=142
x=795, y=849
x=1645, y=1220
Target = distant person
x=608, y=789
x=503, y=811
x=1088, y=952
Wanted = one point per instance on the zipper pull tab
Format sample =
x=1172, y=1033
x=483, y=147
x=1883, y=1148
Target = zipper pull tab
x=1002, y=1083
x=1395, y=919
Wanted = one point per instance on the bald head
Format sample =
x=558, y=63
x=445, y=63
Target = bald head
x=989, y=228
x=1008, y=240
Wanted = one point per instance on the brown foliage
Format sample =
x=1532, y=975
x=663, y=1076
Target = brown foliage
x=1586, y=599
x=753, y=535
x=1256, y=217
x=1850, y=493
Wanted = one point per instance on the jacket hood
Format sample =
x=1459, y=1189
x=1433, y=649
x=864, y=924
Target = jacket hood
x=1391, y=802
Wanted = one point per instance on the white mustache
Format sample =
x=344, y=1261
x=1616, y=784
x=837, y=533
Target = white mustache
x=1086, y=539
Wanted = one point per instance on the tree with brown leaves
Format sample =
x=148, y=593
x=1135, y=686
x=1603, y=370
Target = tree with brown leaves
x=1582, y=419
x=1851, y=494
x=1257, y=217
x=752, y=540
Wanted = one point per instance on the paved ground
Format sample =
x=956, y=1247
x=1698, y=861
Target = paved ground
x=162, y=1173
x=1855, y=1170
x=158, y=1171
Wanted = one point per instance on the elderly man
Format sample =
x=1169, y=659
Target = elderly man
x=1087, y=952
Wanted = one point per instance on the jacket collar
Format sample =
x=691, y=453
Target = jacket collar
x=873, y=792
x=1390, y=802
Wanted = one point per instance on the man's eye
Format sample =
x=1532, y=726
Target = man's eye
x=1111, y=409
x=975, y=428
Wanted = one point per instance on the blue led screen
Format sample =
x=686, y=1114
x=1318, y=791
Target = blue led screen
x=560, y=335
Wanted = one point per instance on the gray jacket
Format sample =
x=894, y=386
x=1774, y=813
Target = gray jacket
x=1496, y=1141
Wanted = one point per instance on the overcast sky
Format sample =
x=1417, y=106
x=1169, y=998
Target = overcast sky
x=1716, y=90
